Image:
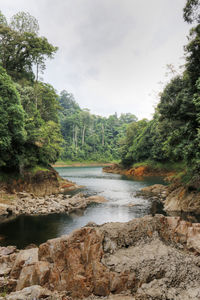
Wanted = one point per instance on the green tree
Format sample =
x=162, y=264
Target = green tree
x=12, y=133
x=3, y=20
x=21, y=50
x=191, y=11
x=49, y=144
x=24, y=22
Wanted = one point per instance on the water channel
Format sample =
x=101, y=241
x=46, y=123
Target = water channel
x=122, y=206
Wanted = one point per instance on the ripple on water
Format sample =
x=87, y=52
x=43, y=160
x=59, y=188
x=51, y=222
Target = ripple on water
x=122, y=206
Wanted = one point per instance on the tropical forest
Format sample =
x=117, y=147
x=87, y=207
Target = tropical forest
x=97, y=205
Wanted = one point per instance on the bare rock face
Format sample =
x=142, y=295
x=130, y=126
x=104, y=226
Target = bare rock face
x=76, y=263
x=23, y=259
x=40, y=183
x=179, y=199
x=34, y=292
x=149, y=258
x=174, y=198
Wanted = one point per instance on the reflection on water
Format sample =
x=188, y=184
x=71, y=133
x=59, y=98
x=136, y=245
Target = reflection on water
x=122, y=206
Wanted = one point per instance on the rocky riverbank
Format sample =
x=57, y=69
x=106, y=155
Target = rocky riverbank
x=39, y=182
x=41, y=193
x=149, y=258
x=27, y=204
x=141, y=171
x=174, y=197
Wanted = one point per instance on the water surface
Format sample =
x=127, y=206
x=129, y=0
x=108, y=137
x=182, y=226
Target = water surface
x=122, y=206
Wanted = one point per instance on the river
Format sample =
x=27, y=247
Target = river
x=122, y=206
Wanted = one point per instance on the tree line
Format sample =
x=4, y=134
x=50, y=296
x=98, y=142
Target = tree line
x=88, y=136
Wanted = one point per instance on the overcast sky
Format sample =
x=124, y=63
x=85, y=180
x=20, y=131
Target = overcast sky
x=112, y=53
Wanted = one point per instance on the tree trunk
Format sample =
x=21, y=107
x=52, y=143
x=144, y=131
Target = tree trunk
x=36, y=91
x=83, y=135
x=73, y=132
x=102, y=134
x=76, y=137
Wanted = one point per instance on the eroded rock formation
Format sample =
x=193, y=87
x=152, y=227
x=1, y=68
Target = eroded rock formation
x=148, y=258
x=174, y=198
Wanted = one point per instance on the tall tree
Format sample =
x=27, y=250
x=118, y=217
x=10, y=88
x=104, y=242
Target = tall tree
x=22, y=48
x=23, y=22
x=12, y=132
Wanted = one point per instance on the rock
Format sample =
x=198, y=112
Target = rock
x=7, y=284
x=7, y=250
x=179, y=199
x=35, y=274
x=33, y=293
x=59, y=203
x=76, y=263
x=113, y=297
x=24, y=258
x=155, y=189
x=154, y=192
x=193, y=237
x=175, y=197
x=7, y=259
x=30, y=246
x=4, y=209
x=23, y=195
x=96, y=199
x=151, y=258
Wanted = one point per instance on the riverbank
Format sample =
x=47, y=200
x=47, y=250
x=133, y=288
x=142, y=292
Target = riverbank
x=27, y=204
x=175, y=197
x=148, y=258
x=59, y=164
x=143, y=170
x=41, y=192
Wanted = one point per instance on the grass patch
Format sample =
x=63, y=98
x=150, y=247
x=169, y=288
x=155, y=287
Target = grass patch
x=38, y=168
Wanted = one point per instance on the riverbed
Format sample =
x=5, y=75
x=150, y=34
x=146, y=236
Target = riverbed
x=122, y=206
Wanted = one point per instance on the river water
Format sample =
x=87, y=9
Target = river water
x=122, y=206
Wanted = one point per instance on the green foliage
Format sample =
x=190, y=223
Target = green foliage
x=3, y=20
x=49, y=143
x=29, y=125
x=167, y=166
x=24, y=22
x=173, y=136
x=87, y=136
x=21, y=48
x=41, y=123
x=12, y=133
x=191, y=11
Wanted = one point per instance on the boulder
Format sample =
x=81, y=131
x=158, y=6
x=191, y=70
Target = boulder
x=34, y=274
x=34, y=292
x=151, y=258
x=76, y=263
x=96, y=199
x=24, y=258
